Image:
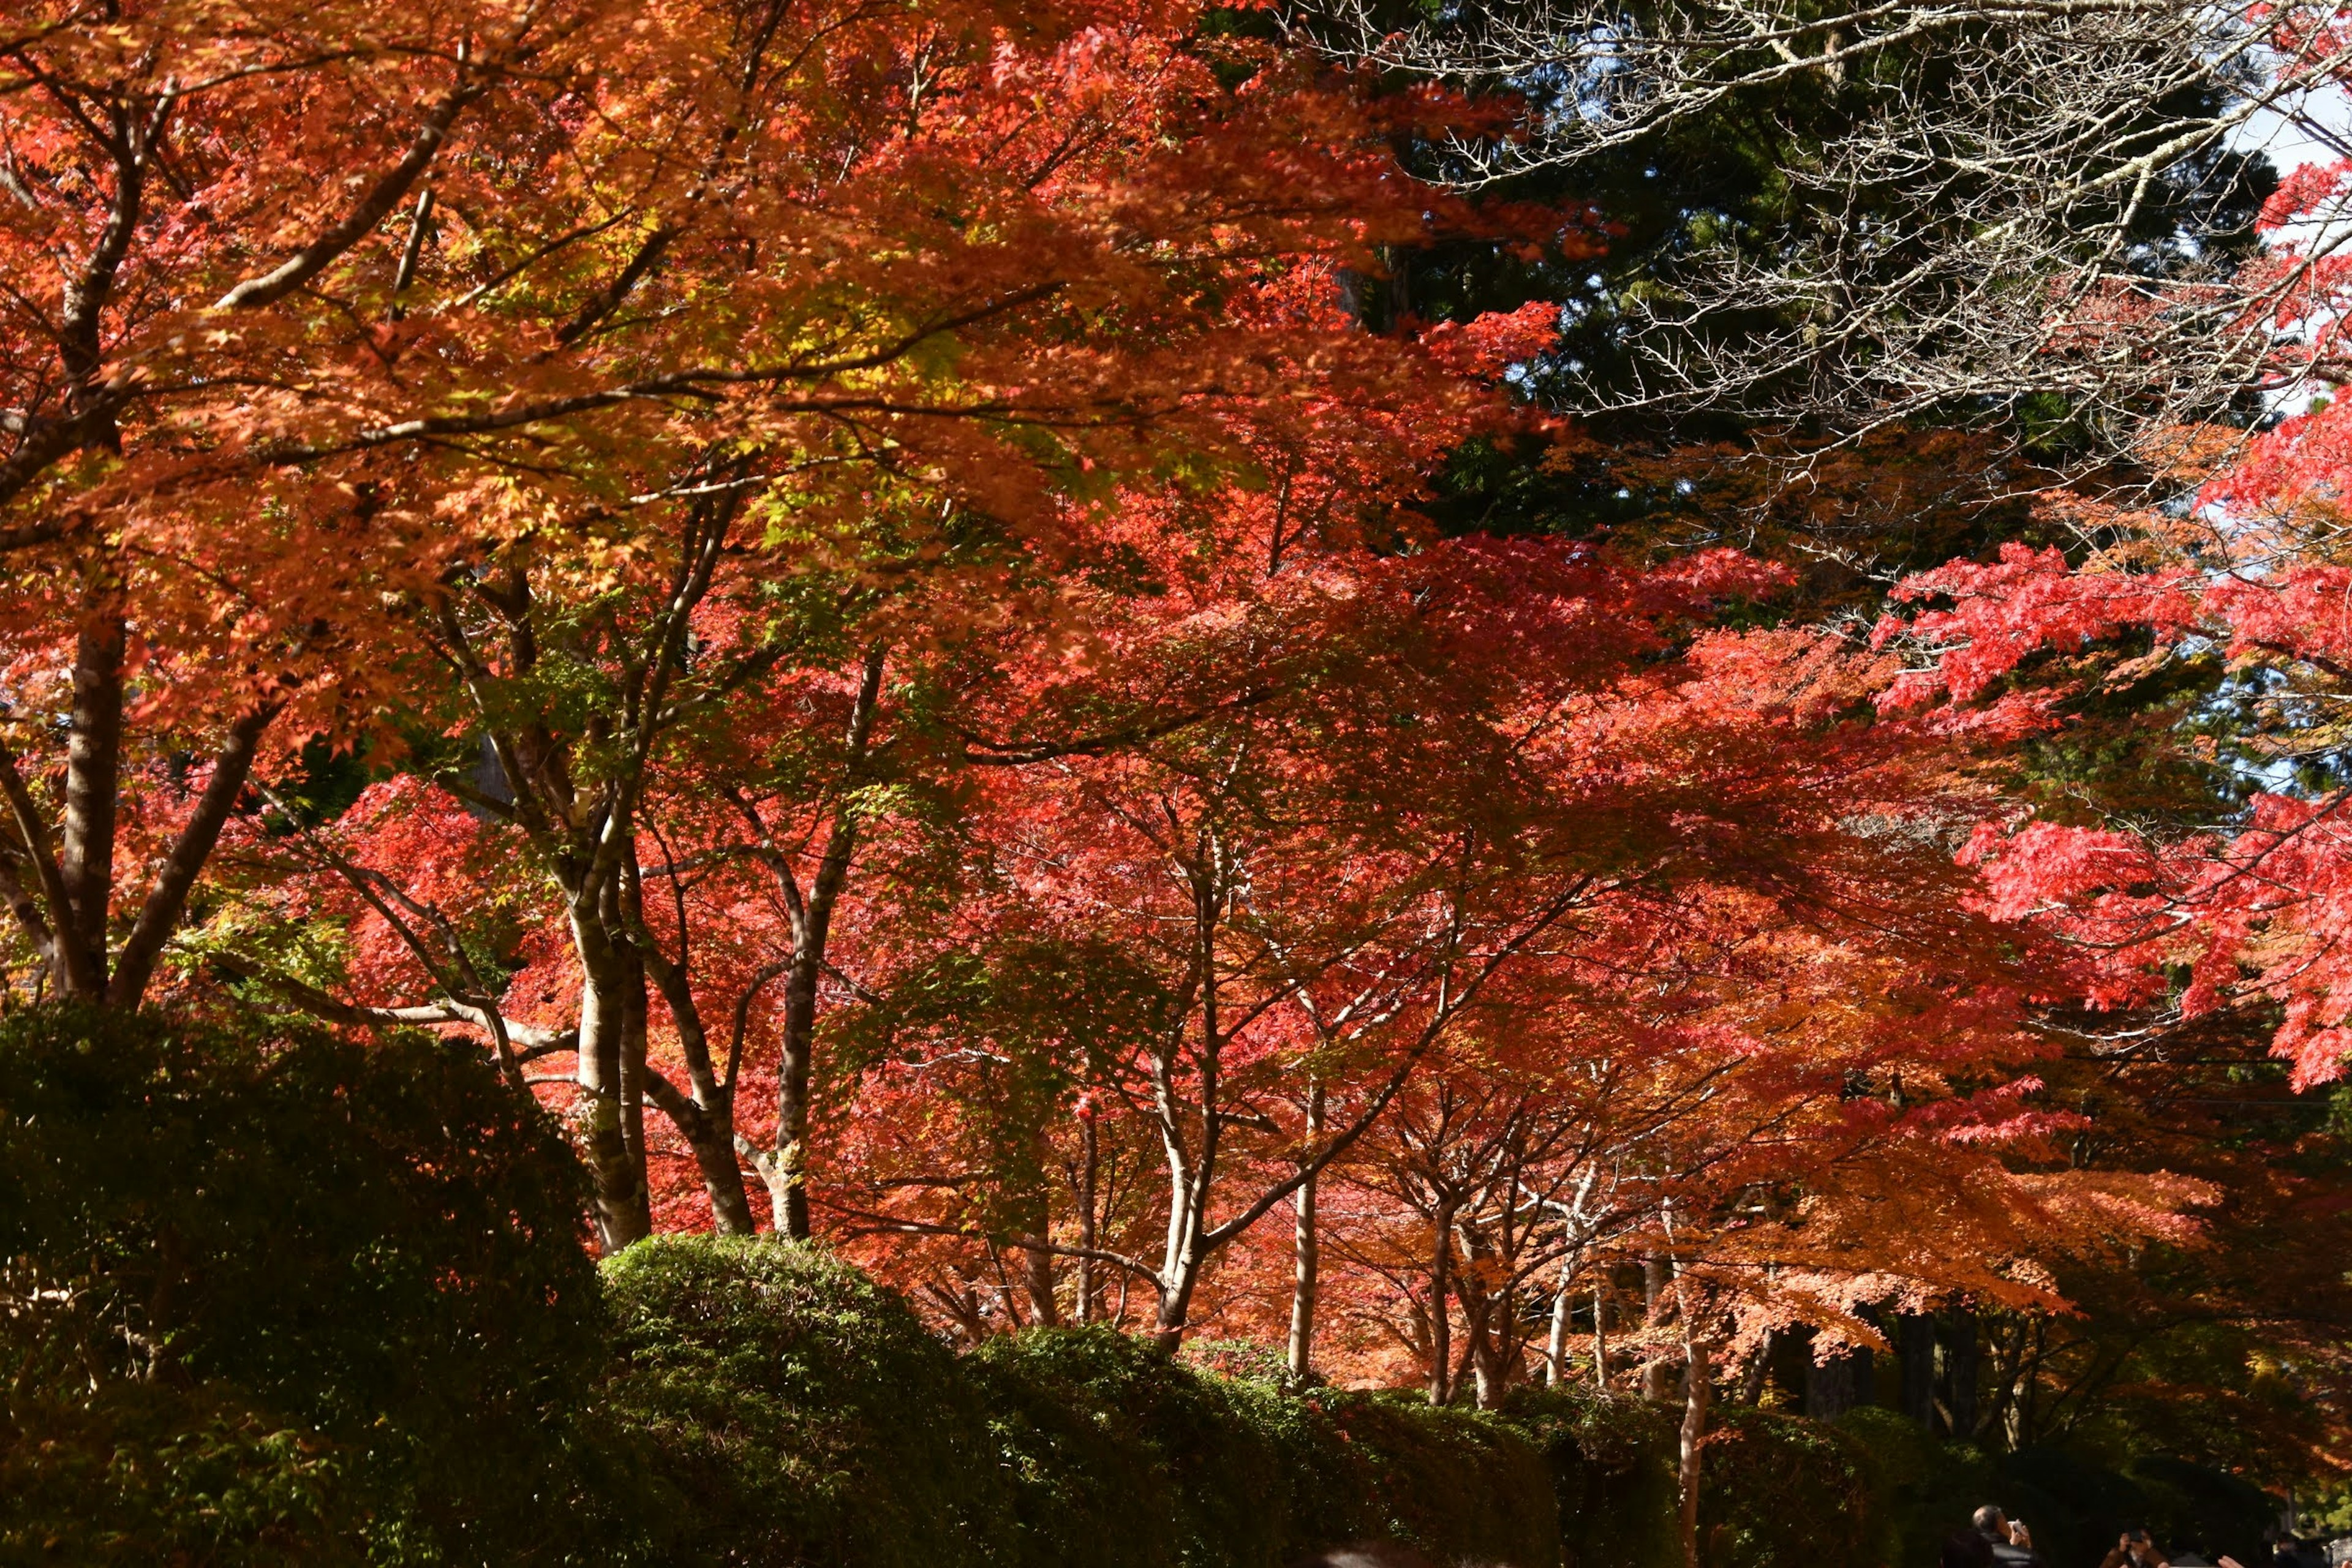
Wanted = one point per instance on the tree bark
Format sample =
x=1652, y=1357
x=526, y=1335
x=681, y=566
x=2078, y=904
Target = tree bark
x=167, y=896
x=705, y=1114
x=1037, y=1270
x=710, y=1133
x=1307, y=1254
x=1759, y=1367
x=624, y=1208
x=1441, y=1318
x=1487, y=1316
x=1038, y=1280
x=1694, y=1436
x=634, y=1065
x=1657, y=1378
x=1556, y=1341
x=1600, y=1337
x=1090, y=1167
x=1958, y=1360
x=1829, y=1384
x=93, y=786
x=1915, y=1347
x=784, y=1168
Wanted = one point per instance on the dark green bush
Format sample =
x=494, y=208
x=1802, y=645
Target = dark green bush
x=1124, y=1457
x=1118, y=1456
x=139, y=1473
x=259, y=1266
x=1612, y=1468
x=1777, y=1491
x=802, y=1413
x=282, y=1298
x=1457, y=1484
x=1920, y=1490
x=799, y=1411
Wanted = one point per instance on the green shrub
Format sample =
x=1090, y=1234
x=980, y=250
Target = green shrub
x=344, y=1267
x=1124, y=1457
x=1779, y=1492
x=283, y=1299
x=1612, y=1463
x=1456, y=1483
x=138, y=1473
x=798, y=1411
x=1120, y=1456
x=1920, y=1490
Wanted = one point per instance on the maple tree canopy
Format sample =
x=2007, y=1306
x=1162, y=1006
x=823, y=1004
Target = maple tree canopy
x=876, y=602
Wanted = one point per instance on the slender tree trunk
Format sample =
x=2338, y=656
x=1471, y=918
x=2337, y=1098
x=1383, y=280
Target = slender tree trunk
x=1961, y=1360
x=1038, y=1279
x=1189, y=1178
x=632, y=1064
x=1828, y=1386
x=1037, y=1261
x=624, y=1212
x=1759, y=1366
x=784, y=1167
x=1488, y=1363
x=1180, y=1273
x=710, y=1133
x=786, y=1172
x=1090, y=1159
x=1656, y=1379
x=1486, y=1318
x=94, y=785
x=1307, y=1254
x=1693, y=1435
x=1441, y=1318
x=1563, y=1311
x=1600, y=1337
x=1916, y=1345
x=704, y=1113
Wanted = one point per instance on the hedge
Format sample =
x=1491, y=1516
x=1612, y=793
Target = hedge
x=800, y=1413
x=280, y=1298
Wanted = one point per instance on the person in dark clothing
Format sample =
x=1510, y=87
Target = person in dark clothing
x=2010, y=1544
x=1965, y=1548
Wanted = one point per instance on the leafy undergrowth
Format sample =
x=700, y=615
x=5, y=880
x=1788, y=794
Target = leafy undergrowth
x=279, y=1298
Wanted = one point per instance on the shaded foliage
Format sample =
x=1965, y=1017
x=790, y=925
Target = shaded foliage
x=257, y=1287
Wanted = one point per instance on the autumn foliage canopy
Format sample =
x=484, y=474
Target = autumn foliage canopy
x=853, y=591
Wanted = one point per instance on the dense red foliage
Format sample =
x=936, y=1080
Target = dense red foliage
x=864, y=574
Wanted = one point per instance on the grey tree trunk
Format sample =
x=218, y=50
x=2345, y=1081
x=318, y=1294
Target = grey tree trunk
x=1695, y=1372
x=93, y=783
x=1556, y=1341
x=1306, y=1256
x=1441, y=1318
x=784, y=1166
x=1089, y=1170
x=623, y=1207
x=1657, y=1376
